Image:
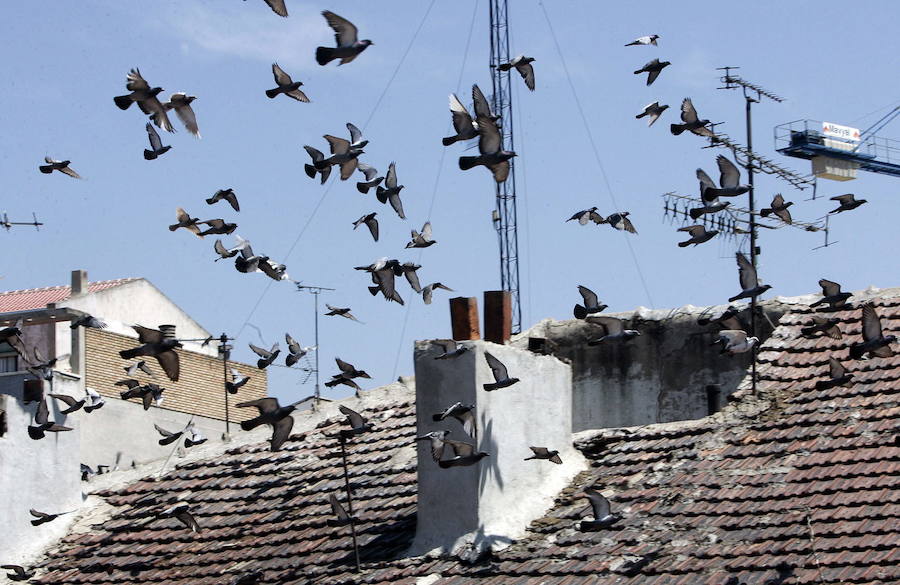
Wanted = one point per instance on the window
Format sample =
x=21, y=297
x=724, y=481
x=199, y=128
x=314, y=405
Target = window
x=8, y=359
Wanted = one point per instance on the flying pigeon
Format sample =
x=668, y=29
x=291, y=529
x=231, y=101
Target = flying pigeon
x=691, y=121
x=225, y=253
x=729, y=319
x=698, y=234
x=490, y=143
x=141, y=365
x=647, y=40
x=372, y=178
x=93, y=401
x=319, y=165
x=42, y=424
x=58, y=165
x=501, y=376
x=734, y=341
x=159, y=345
x=523, y=66
x=72, y=403
x=273, y=270
x=217, y=226
x=591, y=303
x=12, y=334
x=621, y=222
x=343, y=154
x=847, y=202
x=779, y=208
x=358, y=423
x=750, y=287
x=148, y=393
x=391, y=191
x=711, y=204
x=225, y=195
x=341, y=312
x=838, y=376
x=43, y=517
x=349, y=370
x=18, y=573
x=295, y=350
x=451, y=349
x=384, y=282
x=266, y=356
x=279, y=8
x=832, y=295
x=168, y=437
x=237, y=380
x=423, y=239
x=603, y=516
x=464, y=413
x=586, y=215
x=345, y=36
x=182, y=513
x=874, y=342
x=544, y=453
x=820, y=324
x=87, y=321
x=193, y=436
x=342, y=518
x=462, y=122
x=185, y=221
x=273, y=414
x=729, y=180
x=653, y=69
x=286, y=85
x=427, y=291
x=339, y=379
x=146, y=99
x=409, y=271
x=652, y=112
x=464, y=454
x=247, y=261
x=613, y=329
x=181, y=103
x=438, y=440
x=370, y=222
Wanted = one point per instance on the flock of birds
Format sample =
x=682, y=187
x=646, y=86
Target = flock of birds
x=481, y=125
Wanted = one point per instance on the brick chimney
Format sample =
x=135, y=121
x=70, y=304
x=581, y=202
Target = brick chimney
x=79, y=282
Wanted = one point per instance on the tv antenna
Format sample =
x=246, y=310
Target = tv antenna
x=315, y=291
x=8, y=224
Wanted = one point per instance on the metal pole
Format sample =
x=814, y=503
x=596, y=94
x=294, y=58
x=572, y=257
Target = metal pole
x=753, y=248
x=316, y=295
x=350, y=503
x=223, y=339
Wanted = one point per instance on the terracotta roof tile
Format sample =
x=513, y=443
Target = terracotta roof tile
x=38, y=298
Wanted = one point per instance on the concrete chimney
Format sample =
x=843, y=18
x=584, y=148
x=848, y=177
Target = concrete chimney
x=491, y=503
x=79, y=282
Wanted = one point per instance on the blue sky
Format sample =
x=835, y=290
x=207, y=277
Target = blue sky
x=63, y=66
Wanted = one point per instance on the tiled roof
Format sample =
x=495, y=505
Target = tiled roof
x=802, y=479
x=38, y=298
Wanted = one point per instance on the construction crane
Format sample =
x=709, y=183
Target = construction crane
x=837, y=151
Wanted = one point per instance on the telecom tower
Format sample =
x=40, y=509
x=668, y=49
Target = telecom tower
x=505, y=215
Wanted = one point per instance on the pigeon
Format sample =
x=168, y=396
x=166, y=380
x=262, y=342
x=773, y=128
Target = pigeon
x=42, y=367
x=874, y=342
x=653, y=69
x=148, y=393
x=698, y=234
x=437, y=439
x=42, y=424
x=345, y=36
x=146, y=99
x=58, y=165
x=370, y=222
x=462, y=122
x=490, y=143
x=159, y=345
x=356, y=141
x=750, y=287
x=12, y=334
x=225, y=253
x=464, y=413
x=384, y=282
x=847, y=202
x=340, y=312
x=349, y=370
x=372, y=178
x=141, y=365
x=832, y=295
x=729, y=180
x=652, y=112
x=182, y=513
x=295, y=351
x=273, y=270
x=72, y=403
x=501, y=376
x=286, y=85
x=544, y=453
x=273, y=414
x=613, y=329
x=266, y=356
x=343, y=154
x=185, y=221
x=342, y=518
x=464, y=454
x=237, y=381
x=18, y=573
x=319, y=165
x=423, y=239
x=193, y=436
x=339, y=379
x=226, y=195
x=734, y=341
x=523, y=66
x=248, y=261
x=279, y=8
x=780, y=208
x=591, y=303
x=691, y=121
x=409, y=271
x=217, y=226
x=358, y=423
x=181, y=103
x=603, y=517
x=427, y=291
x=586, y=215
x=729, y=319
x=451, y=349
x=820, y=324
x=391, y=191
x=647, y=40
x=93, y=401
x=167, y=437
x=838, y=376
x=621, y=222
x=43, y=517
x=710, y=205
x=88, y=322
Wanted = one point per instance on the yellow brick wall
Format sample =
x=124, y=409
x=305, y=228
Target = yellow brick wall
x=200, y=389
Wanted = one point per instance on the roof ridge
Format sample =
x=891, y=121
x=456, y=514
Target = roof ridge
x=66, y=286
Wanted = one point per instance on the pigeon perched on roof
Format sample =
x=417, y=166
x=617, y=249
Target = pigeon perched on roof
x=146, y=99
x=450, y=349
x=345, y=37
x=464, y=413
x=93, y=400
x=237, y=381
x=409, y=271
x=501, y=376
x=286, y=86
x=428, y=290
x=58, y=165
x=267, y=356
x=73, y=404
x=586, y=215
x=225, y=195
x=544, y=453
x=87, y=321
x=462, y=122
x=692, y=122
x=652, y=112
x=319, y=166
x=824, y=325
x=358, y=423
x=340, y=312
x=832, y=295
x=734, y=341
x=159, y=344
x=875, y=343
x=490, y=142
x=698, y=233
x=780, y=208
x=42, y=423
x=837, y=376
x=181, y=103
x=182, y=512
x=464, y=455
x=647, y=40
x=523, y=65
x=391, y=191
x=437, y=440
x=295, y=350
x=421, y=239
x=273, y=414
x=613, y=329
x=18, y=573
x=653, y=69
x=184, y=220
x=621, y=222
x=750, y=287
x=156, y=146
x=342, y=518
x=847, y=202
x=372, y=178
x=603, y=516
x=591, y=303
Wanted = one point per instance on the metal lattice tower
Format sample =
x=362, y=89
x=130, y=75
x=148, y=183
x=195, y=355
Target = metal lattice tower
x=501, y=103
